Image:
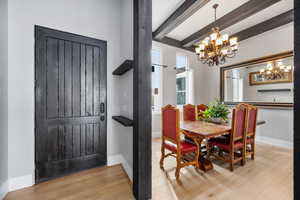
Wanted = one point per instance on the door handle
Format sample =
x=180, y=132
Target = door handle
x=102, y=107
x=102, y=118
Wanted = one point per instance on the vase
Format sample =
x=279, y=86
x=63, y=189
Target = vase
x=216, y=120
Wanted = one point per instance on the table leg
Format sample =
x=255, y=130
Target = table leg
x=204, y=164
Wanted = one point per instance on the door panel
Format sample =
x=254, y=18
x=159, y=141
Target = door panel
x=70, y=86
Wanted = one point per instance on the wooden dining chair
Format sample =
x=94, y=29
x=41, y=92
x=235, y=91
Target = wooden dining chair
x=200, y=109
x=189, y=112
x=250, y=131
x=171, y=141
x=234, y=147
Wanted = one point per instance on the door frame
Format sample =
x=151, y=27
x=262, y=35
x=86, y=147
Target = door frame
x=296, y=99
x=76, y=38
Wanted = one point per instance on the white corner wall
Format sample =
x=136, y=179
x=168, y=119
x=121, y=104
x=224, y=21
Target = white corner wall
x=3, y=99
x=279, y=122
x=125, y=87
x=94, y=18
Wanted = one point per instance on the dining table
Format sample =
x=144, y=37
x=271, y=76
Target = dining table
x=203, y=130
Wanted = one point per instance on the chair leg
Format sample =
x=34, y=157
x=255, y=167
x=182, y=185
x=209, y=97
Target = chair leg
x=177, y=172
x=162, y=156
x=253, y=151
x=231, y=160
x=244, y=152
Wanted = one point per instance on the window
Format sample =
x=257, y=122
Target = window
x=181, y=90
x=181, y=79
x=156, y=80
x=237, y=86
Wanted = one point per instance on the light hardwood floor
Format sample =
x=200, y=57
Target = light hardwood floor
x=269, y=177
x=108, y=183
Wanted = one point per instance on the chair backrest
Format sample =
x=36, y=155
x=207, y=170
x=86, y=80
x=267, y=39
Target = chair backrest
x=200, y=109
x=170, y=123
x=189, y=112
x=238, y=123
x=251, y=119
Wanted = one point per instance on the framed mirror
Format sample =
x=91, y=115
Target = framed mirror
x=265, y=81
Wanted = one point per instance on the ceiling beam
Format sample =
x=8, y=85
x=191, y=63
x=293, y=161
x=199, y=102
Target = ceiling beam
x=187, y=9
x=267, y=25
x=247, y=9
x=174, y=43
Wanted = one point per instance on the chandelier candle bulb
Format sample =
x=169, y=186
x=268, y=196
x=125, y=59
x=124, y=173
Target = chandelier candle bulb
x=233, y=41
x=202, y=47
x=213, y=36
x=219, y=41
x=225, y=37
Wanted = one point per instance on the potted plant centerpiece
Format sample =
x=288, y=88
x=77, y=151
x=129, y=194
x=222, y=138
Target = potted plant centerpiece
x=216, y=112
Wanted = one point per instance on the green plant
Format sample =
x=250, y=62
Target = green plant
x=216, y=110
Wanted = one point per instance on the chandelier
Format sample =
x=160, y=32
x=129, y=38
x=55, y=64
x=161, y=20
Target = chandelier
x=214, y=50
x=275, y=70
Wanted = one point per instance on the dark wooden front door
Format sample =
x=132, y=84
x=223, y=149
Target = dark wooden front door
x=70, y=103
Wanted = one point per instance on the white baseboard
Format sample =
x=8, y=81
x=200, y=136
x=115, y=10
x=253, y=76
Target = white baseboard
x=20, y=182
x=274, y=142
x=3, y=189
x=114, y=160
x=119, y=159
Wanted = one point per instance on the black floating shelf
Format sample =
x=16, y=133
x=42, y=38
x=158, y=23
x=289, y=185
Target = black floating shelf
x=260, y=122
x=123, y=120
x=275, y=90
x=123, y=68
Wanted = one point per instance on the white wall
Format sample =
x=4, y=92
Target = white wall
x=125, y=85
x=3, y=99
x=94, y=18
x=279, y=123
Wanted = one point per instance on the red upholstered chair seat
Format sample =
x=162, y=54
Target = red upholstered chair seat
x=250, y=140
x=185, y=147
x=226, y=146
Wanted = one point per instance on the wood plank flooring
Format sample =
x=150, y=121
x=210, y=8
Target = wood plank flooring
x=108, y=183
x=269, y=177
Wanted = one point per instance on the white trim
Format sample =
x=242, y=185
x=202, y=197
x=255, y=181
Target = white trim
x=3, y=189
x=114, y=160
x=156, y=134
x=274, y=142
x=119, y=159
x=127, y=168
x=20, y=182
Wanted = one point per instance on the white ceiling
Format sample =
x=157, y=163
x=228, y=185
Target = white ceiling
x=162, y=9
x=203, y=17
x=268, y=13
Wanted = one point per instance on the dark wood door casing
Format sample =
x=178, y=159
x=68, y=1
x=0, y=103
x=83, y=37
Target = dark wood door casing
x=70, y=103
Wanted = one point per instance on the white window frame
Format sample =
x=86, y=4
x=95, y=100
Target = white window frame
x=186, y=76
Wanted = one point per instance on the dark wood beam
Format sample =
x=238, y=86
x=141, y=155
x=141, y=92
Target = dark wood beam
x=296, y=99
x=247, y=9
x=174, y=43
x=187, y=9
x=142, y=114
x=267, y=25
